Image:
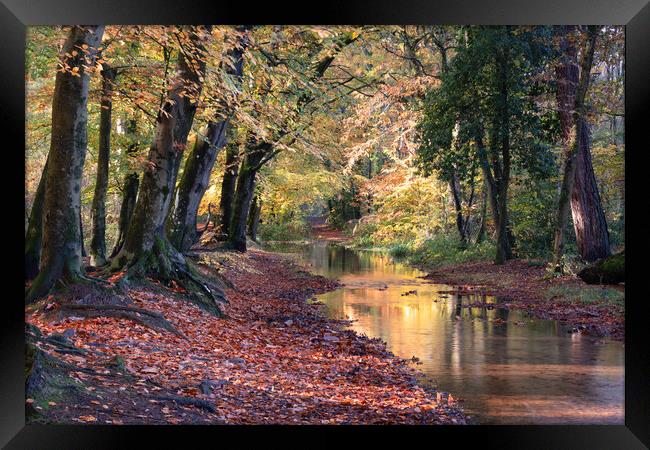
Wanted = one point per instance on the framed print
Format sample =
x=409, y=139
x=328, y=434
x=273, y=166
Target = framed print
x=362, y=221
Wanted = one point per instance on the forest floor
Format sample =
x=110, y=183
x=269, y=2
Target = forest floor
x=276, y=359
x=595, y=310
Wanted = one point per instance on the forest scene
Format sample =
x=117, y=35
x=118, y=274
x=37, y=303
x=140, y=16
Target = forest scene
x=261, y=224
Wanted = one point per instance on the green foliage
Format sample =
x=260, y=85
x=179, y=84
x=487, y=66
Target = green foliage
x=399, y=250
x=586, y=295
x=443, y=250
x=288, y=231
x=532, y=215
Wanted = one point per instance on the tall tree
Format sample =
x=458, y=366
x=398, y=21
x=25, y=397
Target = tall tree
x=34, y=235
x=181, y=224
x=573, y=83
x=173, y=121
x=98, y=242
x=228, y=184
x=129, y=196
x=61, y=251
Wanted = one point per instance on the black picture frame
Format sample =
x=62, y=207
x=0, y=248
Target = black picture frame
x=16, y=15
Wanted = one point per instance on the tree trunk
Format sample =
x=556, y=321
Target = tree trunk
x=130, y=193
x=181, y=225
x=34, y=235
x=173, y=123
x=192, y=67
x=504, y=249
x=98, y=242
x=456, y=192
x=571, y=93
x=228, y=186
x=254, y=217
x=480, y=237
x=61, y=251
x=81, y=235
x=244, y=195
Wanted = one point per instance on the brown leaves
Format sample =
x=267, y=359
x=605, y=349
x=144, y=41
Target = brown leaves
x=275, y=360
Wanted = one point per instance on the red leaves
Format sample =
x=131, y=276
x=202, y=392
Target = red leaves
x=275, y=360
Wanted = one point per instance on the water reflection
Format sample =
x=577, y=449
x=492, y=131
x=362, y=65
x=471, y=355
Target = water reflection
x=509, y=367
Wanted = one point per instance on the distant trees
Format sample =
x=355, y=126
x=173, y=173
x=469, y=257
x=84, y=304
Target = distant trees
x=486, y=109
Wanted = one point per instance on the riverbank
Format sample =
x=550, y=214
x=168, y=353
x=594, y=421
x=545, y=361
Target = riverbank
x=593, y=310
x=275, y=360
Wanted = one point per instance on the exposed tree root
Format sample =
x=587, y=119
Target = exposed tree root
x=142, y=316
x=166, y=264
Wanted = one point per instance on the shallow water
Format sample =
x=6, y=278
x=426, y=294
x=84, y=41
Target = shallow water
x=508, y=367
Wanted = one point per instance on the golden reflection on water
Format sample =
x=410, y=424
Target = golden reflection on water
x=508, y=367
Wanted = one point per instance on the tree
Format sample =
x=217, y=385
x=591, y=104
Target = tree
x=98, y=242
x=498, y=117
x=230, y=172
x=34, y=235
x=129, y=196
x=574, y=137
x=61, y=251
x=181, y=224
x=172, y=127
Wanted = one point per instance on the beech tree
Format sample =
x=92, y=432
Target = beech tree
x=98, y=242
x=181, y=224
x=61, y=249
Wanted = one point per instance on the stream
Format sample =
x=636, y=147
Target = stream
x=507, y=367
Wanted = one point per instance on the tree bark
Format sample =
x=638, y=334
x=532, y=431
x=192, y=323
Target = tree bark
x=244, y=195
x=254, y=217
x=181, y=224
x=571, y=93
x=34, y=235
x=228, y=186
x=61, y=251
x=98, y=242
x=130, y=193
x=191, y=65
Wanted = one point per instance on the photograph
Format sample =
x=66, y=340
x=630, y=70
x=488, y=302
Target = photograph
x=339, y=225
x=325, y=224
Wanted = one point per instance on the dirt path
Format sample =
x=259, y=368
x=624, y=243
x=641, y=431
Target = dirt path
x=525, y=286
x=322, y=231
x=275, y=360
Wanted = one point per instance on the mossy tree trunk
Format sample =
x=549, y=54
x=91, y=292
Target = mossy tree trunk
x=146, y=226
x=228, y=185
x=244, y=194
x=181, y=224
x=61, y=250
x=34, y=235
x=254, y=217
x=129, y=195
x=191, y=67
x=98, y=242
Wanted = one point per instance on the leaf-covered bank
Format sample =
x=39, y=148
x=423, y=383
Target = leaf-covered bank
x=296, y=367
